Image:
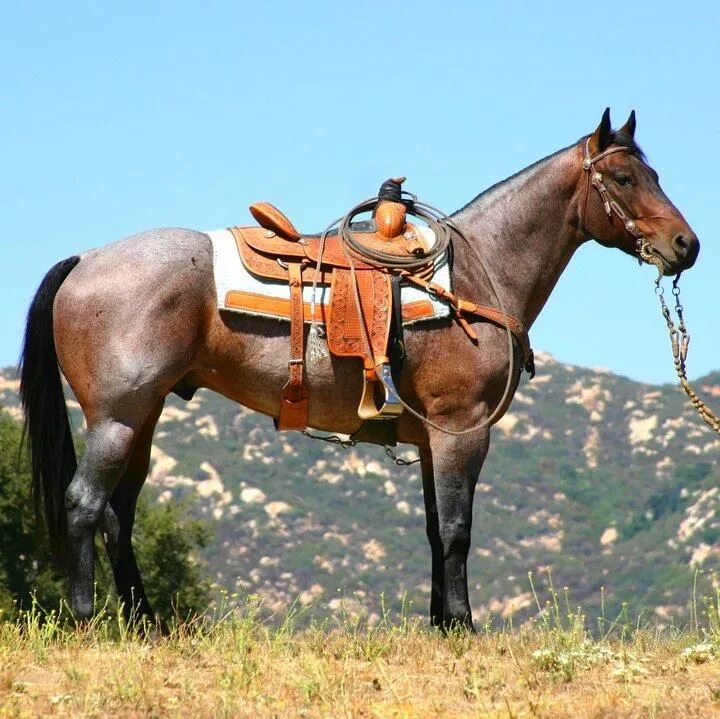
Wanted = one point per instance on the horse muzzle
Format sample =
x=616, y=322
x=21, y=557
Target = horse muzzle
x=686, y=248
x=677, y=255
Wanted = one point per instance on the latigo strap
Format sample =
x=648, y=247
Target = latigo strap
x=295, y=396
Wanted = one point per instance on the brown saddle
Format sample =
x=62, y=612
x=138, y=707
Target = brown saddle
x=359, y=317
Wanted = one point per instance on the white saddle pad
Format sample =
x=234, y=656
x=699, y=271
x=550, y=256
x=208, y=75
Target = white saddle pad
x=231, y=276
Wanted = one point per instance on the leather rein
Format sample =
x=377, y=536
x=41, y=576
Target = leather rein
x=679, y=336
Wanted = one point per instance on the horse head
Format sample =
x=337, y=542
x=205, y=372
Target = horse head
x=625, y=207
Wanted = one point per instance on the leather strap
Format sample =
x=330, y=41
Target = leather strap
x=611, y=206
x=367, y=409
x=294, y=396
x=502, y=319
x=397, y=334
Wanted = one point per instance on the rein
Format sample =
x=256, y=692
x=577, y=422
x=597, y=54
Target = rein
x=679, y=336
x=679, y=341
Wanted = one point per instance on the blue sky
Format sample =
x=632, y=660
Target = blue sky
x=125, y=116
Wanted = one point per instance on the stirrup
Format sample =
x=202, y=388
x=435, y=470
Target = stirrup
x=391, y=406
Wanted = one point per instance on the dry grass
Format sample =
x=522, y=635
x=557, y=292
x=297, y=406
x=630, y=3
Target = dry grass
x=241, y=666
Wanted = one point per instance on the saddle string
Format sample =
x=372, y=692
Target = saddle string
x=317, y=349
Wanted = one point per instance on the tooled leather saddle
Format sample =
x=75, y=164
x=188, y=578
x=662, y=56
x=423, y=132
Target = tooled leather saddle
x=364, y=300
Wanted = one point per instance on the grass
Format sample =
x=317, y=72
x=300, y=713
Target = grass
x=240, y=664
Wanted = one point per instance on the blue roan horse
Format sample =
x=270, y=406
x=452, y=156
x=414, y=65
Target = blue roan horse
x=131, y=322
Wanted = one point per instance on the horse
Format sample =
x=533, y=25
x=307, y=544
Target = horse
x=130, y=322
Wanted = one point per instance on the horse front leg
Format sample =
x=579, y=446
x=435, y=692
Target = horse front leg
x=452, y=472
x=432, y=529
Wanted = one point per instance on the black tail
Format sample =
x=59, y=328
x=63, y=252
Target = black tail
x=47, y=427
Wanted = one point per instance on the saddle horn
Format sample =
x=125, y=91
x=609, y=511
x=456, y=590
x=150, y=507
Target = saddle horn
x=390, y=213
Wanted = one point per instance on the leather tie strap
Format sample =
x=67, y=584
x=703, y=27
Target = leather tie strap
x=462, y=307
x=502, y=320
x=294, y=395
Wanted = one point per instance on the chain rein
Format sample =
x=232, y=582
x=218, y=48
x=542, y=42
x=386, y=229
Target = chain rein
x=679, y=336
x=680, y=341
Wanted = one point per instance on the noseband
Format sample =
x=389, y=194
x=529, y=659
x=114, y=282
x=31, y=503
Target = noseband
x=642, y=246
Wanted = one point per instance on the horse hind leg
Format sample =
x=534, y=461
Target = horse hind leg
x=118, y=524
x=108, y=449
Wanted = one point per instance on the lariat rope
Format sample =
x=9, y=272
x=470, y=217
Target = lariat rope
x=443, y=227
x=679, y=336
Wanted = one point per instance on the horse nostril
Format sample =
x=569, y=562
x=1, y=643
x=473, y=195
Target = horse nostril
x=686, y=248
x=681, y=244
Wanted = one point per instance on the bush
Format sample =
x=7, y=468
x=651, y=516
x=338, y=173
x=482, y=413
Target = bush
x=165, y=539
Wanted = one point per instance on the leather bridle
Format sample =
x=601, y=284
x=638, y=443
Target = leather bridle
x=644, y=249
x=679, y=336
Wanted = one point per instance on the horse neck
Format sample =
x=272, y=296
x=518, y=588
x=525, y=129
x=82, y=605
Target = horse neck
x=526, y=231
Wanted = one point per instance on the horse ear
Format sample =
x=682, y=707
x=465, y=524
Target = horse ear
x=600, y=139
x=629, y=127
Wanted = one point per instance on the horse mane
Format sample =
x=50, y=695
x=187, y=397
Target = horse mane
x=617, y=138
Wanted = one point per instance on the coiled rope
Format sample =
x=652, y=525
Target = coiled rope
x=444, y=228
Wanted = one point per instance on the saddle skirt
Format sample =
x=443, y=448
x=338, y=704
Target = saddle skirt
x=239, y=290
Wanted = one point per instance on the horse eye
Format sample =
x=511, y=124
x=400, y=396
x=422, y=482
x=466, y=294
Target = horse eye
x=622, y=180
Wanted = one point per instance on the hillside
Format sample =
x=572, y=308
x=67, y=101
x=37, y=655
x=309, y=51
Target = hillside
x=609, y=482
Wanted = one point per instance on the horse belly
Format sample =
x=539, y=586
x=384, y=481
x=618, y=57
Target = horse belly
x=246, y=360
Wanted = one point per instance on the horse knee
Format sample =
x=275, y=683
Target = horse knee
x=108, y=448
x=455, y=538
x=84, y=506
x=106, y=454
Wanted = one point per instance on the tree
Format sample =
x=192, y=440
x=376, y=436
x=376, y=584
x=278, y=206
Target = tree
x=25, y=564
x=166, y=539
